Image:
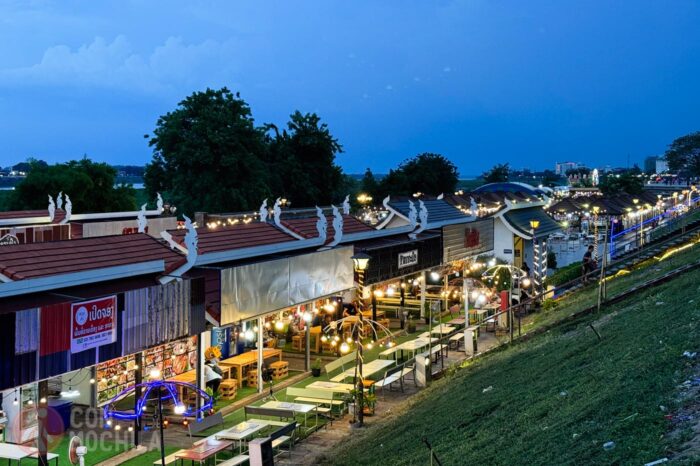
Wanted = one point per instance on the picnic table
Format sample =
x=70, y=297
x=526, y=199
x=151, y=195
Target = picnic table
x=335, y=387
x=201, y=452
x=457, y=322
x=240, y=432
x=368, y=369
x=297, y=408
x=443, y=329
x=247, y=359
x=415, y=345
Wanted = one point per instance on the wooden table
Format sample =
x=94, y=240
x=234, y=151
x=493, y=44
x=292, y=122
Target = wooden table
x=203, y=451
x=457, y=322
x=335, y=387
x=368, y=369
x=415, y=345
x=250, y=358
x=241, y=431
x=10, y=452
x=297, y=408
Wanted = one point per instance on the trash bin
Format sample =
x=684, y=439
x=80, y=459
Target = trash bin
x=58, y=419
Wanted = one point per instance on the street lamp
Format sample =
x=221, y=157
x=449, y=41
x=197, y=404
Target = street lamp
x=534, y=225
x=361, y=262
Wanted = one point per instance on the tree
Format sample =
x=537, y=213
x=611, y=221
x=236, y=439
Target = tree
x=26, y=167
x=683, y=155
x=498, y=173
x=208, y=155
x=629, y=182
x=303, y=160
x=369, y=183
x=426, y=173
x=90, y=186
x=550, y=179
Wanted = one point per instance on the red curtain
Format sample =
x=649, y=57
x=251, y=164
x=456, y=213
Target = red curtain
x=55, y=329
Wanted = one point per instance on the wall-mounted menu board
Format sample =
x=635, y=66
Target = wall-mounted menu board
x=119, y=374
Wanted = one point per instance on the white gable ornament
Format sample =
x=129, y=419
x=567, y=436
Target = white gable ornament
x=191, y=241
x=52, y=208
x=59, y=200
x=337, y=227
x=9, y=240
x=159, y=203
x=473, y=207
x=277, y=213
x=386, y=202
x=346, y=205
x=441, y=196
x=321, y=224
x=412, y=214
x=141, y=220
x=423, y=215
x=263, y=211
x=69, y=210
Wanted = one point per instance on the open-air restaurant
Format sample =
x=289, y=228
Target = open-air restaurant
x=226, y=341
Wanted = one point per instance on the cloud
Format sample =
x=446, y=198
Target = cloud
x=116, y=65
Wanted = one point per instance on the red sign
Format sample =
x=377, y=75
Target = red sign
x=93, y=323
x=471, y=238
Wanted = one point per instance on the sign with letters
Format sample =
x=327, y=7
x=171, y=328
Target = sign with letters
x=409, y=258
x=93, y=323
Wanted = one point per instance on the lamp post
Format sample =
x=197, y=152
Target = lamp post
x=596, y=209
x=534, y=225
x=360, y=261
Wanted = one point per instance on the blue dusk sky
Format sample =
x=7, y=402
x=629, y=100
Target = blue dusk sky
x=480, y=81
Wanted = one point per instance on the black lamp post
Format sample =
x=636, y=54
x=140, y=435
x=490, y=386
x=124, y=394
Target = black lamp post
x=360, y=261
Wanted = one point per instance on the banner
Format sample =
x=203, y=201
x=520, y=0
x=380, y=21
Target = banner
x=93, y=323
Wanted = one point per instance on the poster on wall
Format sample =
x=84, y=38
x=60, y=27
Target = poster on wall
x=93, y=323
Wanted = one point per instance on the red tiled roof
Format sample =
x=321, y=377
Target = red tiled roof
x=227, y=238
x=35, y=260
x=306, y=227
x=22, y=214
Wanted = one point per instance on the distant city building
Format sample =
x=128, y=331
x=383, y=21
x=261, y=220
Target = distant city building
x=655, y=164
x=560, y=168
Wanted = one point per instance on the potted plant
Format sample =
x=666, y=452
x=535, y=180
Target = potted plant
x=316, y=368
x=426, y=312
x=369, y=401
x=411, y=326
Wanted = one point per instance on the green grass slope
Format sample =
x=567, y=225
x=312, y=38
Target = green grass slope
x=557, y=398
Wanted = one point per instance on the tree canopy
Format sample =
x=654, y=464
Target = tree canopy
x=497, y=174
x=683, y=154
x=209, y=155
x=426, y=173
x=629, y=182
x=89, y=184
x=369, y=184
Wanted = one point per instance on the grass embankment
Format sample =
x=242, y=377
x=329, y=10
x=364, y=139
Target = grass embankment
x=557, y=398
x=588, y=297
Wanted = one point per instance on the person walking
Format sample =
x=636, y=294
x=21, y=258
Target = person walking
x=588, y=264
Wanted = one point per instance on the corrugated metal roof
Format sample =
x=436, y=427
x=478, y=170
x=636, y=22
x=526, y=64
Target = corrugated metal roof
x=438, y=210
x=35, y=260
x=519, y=219
x=306, y=227
x=228, y=238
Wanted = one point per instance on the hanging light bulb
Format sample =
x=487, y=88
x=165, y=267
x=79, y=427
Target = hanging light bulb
x=475, y=295
x=279, y=325
x=344, y=348
x=306, y=316
x=492, y=262
x=370, y=345
x=155, y=373
x=268, y=325
x=180, y=408
x=92, y=381
x=324, y=338
x=15, y=402
x=131, y=428
x=348, y=340
x=249, y=335
x=390, y=291
x=334, y=343
x=434, y=276
x=117, y=427
x=379, y=293
x=255, y=329
x=336, y=338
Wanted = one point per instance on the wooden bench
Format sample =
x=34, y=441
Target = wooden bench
x=388, y=352
x=456, y=339
x=284, y=435
x=391, y=376
x=340, y=363
x=235, y=461
x=205, y=423
x=325, y=400
x=170, y=459
x=268, y=412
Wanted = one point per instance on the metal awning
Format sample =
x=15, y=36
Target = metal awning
x=519, y=221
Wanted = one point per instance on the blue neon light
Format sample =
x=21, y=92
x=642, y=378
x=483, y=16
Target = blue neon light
x=636, y=225
x=171, y=393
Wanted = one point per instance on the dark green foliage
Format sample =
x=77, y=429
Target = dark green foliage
x=564, y=274
x=369, y=184
x=208, y=155
x=90, y=186
x=629, y=182
x=498, y=174
x=426, y=173
x=683, y=155
x=303, y=162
